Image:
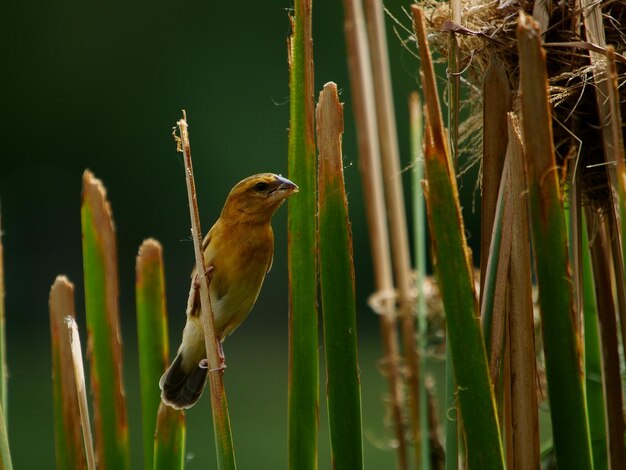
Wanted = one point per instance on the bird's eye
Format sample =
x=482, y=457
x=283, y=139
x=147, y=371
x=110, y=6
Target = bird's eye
x=260, y=186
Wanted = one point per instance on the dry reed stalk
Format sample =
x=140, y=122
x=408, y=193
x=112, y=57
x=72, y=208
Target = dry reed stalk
x=221, y=420
x=369, y=150
x=607, y=102
x=600, y=245
x=502, y=255
x=506, y=409
x=496, y=103
x=454, y=84
x=615, y=158
x=201, y=269
x=524, y=428
x=394, y=197
x=81, y=390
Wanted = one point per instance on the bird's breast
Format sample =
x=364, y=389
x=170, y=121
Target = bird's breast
x=241, y=257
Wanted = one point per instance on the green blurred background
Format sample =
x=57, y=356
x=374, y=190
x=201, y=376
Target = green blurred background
x=100, y=86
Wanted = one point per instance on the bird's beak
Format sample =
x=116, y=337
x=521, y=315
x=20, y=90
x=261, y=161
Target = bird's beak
x=286, y=186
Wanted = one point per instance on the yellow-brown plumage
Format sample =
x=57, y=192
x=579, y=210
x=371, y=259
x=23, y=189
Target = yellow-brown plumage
x=240, y=248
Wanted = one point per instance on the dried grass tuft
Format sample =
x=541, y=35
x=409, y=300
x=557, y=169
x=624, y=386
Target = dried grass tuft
x=488, y=27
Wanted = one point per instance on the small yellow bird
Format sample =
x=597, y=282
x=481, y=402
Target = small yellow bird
x=240, y=249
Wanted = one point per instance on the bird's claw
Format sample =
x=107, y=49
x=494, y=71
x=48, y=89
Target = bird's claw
x=208, y=273
x=220, y=368
x=204, y=363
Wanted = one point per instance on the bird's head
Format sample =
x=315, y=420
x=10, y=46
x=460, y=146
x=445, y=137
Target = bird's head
x=257, y=197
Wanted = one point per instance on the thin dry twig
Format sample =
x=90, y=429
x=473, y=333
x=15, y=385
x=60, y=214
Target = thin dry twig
x=201, y=268
x=221, y=420
x=81, y=391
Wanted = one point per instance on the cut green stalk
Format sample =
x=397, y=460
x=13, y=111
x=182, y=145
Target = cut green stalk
x=69, y=449
x=598, y=230
x=5, y=452
x=419, y=224
x=101, y=306
x=337, y=289
x=593, y=361
x=465, y=340
x=451, y=417
x=3, y=343
x=169, y=439
x=153, y=351
x=224, y=450
x=567, y=402
x=303, y=393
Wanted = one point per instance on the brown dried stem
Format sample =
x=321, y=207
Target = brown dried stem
x=524, y=419
x=365, y=117
x=221, y=420
x=394, y=198
x=81, y=390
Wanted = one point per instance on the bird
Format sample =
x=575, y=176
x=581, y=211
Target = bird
x=238, y=251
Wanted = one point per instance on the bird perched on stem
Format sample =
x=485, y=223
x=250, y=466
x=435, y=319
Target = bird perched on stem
x=238, y=250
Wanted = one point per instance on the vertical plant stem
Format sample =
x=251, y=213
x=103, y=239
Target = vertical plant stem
x=609, y=114
x=303, y=393
x=337, y=289
x=567, y=403
x=497, y=278
x=454, y=86
x=153, y=351
x=69, y=446
x=3, y=343
x=169, y=439
x=419, y=224
x=369, y=159
x=465, y=340
x=593, y=360
x=5, y=452
x=394, y=198
x=452, y=417
x=224, y=449
x=103, y=328
x=602, y=272
x=617, y=176
x=524, y=429
x=81, y=390
x=496, y=103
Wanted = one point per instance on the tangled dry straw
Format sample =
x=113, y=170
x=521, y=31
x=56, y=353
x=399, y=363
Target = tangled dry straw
x=487, y=30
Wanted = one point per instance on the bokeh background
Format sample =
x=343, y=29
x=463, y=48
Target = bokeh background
x=100, y=86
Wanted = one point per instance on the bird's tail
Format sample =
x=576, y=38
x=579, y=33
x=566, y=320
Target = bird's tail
x=182, y=388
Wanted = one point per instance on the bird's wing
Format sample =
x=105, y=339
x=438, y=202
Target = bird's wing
x=218, y=290
x=269, y=265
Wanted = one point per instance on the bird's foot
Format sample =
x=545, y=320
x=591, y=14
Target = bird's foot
x=208, y=273
x=220, y=355
x=204, y=363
